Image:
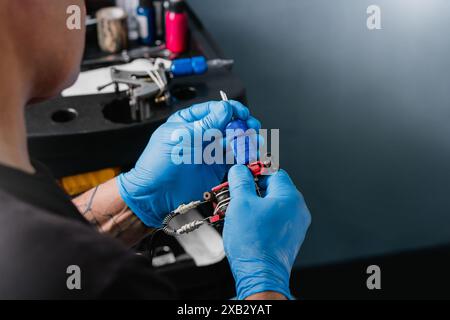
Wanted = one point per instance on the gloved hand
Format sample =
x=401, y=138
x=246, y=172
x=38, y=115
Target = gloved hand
x=156, y=186
x=262, y=236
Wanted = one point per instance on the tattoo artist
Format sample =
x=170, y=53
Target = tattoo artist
x=42, y=231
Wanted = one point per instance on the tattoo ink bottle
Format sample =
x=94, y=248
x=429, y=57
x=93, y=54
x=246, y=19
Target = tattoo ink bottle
x=176, y=26
x=145, y=18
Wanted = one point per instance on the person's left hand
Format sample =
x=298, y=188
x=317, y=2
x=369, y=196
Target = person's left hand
x=157, y=186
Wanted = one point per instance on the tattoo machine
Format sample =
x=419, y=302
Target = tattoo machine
x=219, y=196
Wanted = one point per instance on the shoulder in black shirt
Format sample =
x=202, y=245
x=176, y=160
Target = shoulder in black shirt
x=42, y=234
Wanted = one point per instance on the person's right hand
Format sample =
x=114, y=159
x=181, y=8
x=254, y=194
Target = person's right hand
x=262, y=236
x=157, y=185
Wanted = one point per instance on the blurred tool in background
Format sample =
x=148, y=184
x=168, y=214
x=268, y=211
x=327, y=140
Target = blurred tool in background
x=148, y=87
x=126, y=56
x=189, y=66
x=176, y=26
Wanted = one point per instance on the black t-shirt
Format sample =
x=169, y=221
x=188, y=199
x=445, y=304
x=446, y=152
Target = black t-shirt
x=42, y=234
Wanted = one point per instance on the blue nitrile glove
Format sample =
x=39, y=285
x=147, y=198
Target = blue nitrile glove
x=157, y=185
x=262, y=236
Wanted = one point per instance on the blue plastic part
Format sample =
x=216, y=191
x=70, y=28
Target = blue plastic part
x=243, y=148
x=181, y=67
x=200, y=65
x=237, y=124
x=189, y=66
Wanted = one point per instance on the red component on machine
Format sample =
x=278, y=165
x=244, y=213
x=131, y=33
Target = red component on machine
x=257, y=168
x=220, y=187
x=219, y=196
x=215, y=218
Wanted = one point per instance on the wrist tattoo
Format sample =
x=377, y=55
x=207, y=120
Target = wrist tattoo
x=110, y=215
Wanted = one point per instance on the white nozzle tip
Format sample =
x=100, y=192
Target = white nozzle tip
x=224, y=96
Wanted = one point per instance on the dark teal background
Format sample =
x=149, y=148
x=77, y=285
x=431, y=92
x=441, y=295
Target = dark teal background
x=364, y=115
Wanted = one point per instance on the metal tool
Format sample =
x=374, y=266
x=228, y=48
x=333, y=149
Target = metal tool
x=221, y=64
x=223, y=95
x=143, y=86
x=149, y=87
x=127, y=56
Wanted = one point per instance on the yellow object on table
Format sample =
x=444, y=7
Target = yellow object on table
x=74, y=185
